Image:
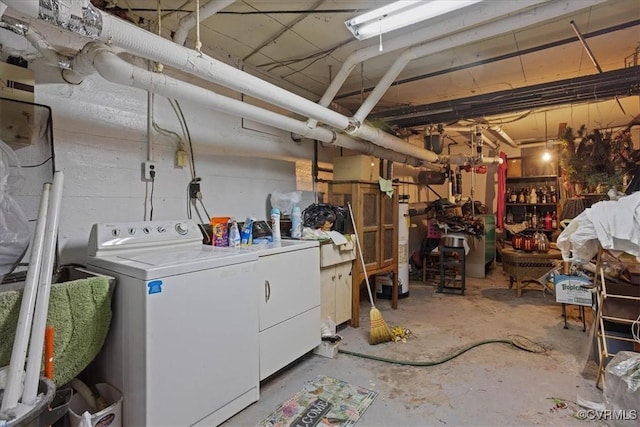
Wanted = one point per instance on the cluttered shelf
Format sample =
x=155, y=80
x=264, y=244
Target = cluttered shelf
x=517, y=179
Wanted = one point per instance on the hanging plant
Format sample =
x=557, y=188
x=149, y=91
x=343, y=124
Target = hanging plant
x=596, y=158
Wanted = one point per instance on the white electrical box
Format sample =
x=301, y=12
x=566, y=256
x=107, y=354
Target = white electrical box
x=16, y=114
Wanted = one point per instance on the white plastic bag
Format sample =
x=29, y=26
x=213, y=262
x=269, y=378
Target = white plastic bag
x=14, y=228
x=285, y=201
x=622, y=385
x=578, y=242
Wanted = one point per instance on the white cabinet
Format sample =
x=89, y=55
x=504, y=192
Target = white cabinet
x=289, y=293
x=336, y=265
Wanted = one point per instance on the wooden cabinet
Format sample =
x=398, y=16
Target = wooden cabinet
x=336, y=269
x=376, y=218
x=289, y=295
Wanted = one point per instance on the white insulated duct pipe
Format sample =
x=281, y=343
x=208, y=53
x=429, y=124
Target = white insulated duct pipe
x=140, y=42
x=520, y=20
x=188, y=22
x=470, y=16
x=36, y=345
x=13, y=386
x=101, y=58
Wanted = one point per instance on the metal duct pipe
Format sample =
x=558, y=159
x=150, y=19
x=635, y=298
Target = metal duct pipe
x=189, y=21
x=101, y=58
x=48, y=53
x=520, y=20
x=471, y=16
x=140, y=42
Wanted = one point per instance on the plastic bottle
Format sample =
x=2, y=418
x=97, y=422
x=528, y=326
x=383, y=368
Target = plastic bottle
x=296, y=223
x=234, y=234
x=275, y=225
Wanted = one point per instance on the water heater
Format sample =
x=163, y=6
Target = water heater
x=403, y=246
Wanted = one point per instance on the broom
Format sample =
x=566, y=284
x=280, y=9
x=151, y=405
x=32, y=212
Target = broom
x=379, y=332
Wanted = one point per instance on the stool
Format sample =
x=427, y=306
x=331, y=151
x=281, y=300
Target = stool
x=452, y=261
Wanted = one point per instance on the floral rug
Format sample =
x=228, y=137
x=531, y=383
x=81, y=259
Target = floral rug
x=325, y=401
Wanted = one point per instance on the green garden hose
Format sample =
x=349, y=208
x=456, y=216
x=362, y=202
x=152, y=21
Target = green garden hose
x=515, y=340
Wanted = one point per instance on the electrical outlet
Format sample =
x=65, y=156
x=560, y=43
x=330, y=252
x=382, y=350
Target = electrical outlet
x=149, y=170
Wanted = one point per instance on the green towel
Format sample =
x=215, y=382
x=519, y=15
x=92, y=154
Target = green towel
x=80, y=313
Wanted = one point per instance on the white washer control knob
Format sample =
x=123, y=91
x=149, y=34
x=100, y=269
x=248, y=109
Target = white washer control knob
x=146, y=230
x=161, y=229
x=182, y=229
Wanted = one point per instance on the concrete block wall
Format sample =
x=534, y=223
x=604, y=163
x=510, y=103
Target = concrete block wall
x=100, y=137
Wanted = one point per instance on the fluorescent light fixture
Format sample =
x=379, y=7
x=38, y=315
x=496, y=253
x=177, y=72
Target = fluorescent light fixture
x=400, y=14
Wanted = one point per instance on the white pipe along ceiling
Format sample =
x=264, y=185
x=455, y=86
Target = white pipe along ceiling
x=101, y=58
x=121, y=72
x=135, y=40
x=191, y=20
x=471, y=16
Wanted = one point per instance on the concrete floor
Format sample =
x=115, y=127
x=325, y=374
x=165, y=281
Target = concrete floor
x=490, y=385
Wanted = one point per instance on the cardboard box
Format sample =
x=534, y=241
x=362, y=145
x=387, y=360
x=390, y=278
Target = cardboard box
x=570, y=290
x=356, y=168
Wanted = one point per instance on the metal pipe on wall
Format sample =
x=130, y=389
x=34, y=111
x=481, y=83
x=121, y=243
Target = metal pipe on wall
x=140, y=42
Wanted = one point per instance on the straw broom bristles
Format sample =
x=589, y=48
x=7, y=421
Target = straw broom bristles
x=379, y=331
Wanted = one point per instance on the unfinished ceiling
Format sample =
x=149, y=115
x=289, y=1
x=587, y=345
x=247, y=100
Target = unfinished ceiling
x=467, y=80
x=516, y=65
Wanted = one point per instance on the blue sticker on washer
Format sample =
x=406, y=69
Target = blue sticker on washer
x=155, y=286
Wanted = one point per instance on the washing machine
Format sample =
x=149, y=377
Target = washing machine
x=183, y=343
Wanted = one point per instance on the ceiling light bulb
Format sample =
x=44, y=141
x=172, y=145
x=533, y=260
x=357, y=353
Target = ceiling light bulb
x=546, y=156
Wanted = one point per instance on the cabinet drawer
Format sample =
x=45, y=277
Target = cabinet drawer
x=285, y=342
x=331, y=254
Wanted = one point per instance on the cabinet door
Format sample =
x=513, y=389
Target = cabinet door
x=343, y=292
x=328, y=293
x=289, y=285
x=368, y=223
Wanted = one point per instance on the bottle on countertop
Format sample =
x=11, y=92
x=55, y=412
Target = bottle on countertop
x=275, y=225
x=234, y=234
x=296, y=223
